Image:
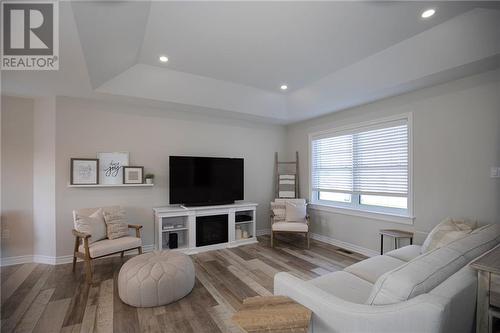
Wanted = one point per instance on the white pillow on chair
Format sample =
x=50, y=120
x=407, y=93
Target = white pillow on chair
x=295, y=212
x=93, y=225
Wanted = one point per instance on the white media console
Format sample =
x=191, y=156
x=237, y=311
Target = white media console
x=183, y=220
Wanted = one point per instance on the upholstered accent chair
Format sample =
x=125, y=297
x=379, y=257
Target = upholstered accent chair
x=92, y=241
x=289, y=216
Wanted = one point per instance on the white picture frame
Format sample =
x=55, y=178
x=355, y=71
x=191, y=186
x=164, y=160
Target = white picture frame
x=111, y=167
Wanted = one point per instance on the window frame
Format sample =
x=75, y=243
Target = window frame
x=355, y=208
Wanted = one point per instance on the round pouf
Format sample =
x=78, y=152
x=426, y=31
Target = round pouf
x=156, y=278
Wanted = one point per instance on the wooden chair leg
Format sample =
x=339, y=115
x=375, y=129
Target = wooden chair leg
x=122, y=254
x=88, y=270
x=75, y=250
x=272, y=238
x=308, y=242
x=139, y=249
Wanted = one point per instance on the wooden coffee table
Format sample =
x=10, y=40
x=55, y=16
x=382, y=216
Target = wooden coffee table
x=272, y=314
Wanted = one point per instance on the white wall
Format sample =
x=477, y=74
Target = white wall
x=86, y=127
x=44, y=171
x=17, y=176
x=456, y=140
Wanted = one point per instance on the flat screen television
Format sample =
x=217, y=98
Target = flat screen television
x=200, y=181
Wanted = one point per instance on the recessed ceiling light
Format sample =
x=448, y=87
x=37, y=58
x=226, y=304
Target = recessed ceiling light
x=284, y=87
x=163, y=58
x=428, y=13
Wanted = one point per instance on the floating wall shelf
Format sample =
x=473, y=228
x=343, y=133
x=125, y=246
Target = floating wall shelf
x=112, y=185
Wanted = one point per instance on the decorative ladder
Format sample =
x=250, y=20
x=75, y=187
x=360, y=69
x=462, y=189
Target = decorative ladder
x=287, y=181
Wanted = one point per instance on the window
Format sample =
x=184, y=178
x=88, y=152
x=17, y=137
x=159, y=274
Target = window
x=366, y=168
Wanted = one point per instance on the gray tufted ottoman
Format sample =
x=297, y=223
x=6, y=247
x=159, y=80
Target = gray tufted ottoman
x=156, y=278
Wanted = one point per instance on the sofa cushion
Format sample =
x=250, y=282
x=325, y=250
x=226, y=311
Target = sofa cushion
x=279, y=211
x=344, y=285
x=444, y=233
x=290, y=226
x=371, y=269
x=296, y=211
x=478, y=241
x=116, y=223
x=108, y=246
x=405, y=253
x=92, y=224
x=430, y=269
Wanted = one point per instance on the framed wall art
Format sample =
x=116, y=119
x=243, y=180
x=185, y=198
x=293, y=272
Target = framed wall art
x=84, y=171
x=133, y=175
x=111, y=167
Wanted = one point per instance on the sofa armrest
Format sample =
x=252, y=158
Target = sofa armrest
x=137, y=229
x=134, y=226
x=423, y=313
x=80, y=234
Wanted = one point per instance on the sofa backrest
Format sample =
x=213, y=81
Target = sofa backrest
x=90, y=211
x=430, y=269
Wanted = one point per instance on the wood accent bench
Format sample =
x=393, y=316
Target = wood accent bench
x=272, y=314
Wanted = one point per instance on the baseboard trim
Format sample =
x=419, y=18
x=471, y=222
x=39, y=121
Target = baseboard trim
x=262, y=232
x=345, y=245
x=9, y=261
x=48, y=260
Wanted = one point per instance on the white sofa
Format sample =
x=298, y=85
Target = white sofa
x=401, y=291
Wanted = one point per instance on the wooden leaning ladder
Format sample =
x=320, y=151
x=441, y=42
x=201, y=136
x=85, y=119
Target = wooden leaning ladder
x=286, y=181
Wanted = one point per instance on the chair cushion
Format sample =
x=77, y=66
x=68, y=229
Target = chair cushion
x=108, y=246
x=92, y=224
x=430, y=269
x=405, y=253
x=296, y=211
x=371, y=269
x=444, y=233
x=290, y=226
x=344, y=285
x=116, y=223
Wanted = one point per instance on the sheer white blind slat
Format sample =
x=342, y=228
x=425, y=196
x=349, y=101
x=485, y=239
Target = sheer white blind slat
x=373, y=161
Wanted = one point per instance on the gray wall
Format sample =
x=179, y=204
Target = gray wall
x=456, y=140
x=150, y=135
x=17, y=176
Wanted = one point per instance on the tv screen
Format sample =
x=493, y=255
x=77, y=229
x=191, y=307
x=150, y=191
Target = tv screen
x=205, y=180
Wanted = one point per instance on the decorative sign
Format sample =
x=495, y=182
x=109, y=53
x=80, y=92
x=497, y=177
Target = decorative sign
x=84, y=171
x=111, y=167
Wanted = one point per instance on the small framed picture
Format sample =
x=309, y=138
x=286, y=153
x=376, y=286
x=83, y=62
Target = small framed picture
x=84, y=171
x=133, y=175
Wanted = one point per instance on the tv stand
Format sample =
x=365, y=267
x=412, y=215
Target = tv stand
x=181, y=220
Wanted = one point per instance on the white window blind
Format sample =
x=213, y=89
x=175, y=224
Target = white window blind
x=364, y=161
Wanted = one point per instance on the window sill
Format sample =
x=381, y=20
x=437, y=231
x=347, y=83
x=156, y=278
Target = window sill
x=402, y=219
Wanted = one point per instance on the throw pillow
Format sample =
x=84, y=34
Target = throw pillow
x=116, y=223
x=295, y=212
x=444, y=233
x=93, y=225
x=279, y=211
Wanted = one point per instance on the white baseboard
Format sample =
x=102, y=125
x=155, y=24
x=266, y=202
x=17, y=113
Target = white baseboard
x=9, y=261
x=48, y=260
x=261, y=232
x=345, y=245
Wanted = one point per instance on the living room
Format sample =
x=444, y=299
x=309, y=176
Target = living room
x=329, y=133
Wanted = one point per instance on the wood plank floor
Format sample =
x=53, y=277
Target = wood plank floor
x=44, y=298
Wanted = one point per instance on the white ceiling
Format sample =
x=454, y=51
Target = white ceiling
x=233, y=56
x=265, y=44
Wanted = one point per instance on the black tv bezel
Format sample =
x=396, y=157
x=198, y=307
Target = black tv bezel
x=207, y=203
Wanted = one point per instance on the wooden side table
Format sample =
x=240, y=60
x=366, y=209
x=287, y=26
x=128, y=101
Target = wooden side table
x=272, y=314
x=396, y=234
x=488, y=289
